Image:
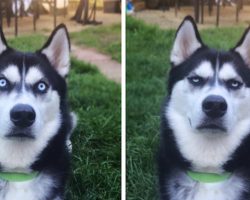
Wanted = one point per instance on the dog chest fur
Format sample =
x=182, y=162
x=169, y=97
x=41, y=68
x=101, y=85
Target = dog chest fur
x=39, y=188
x=182, y=187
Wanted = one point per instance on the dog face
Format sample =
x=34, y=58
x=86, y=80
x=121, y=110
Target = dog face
x=209, y=96
x=213, y=96
x=32, y=89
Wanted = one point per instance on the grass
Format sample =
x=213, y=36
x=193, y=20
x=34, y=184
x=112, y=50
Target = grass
x=148, y=50
x=106, y=39
x=96, y=140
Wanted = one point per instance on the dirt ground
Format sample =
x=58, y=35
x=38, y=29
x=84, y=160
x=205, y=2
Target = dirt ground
x=168, y=19
x=46, y=23
x=110, y=68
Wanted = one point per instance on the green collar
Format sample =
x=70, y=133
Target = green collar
x=17, y=176
x=204, y=177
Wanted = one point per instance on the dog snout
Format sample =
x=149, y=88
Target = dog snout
x=22, y=115
x=214, y=106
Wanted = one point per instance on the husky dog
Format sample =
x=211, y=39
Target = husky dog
x=205, y=136
x=35, y=122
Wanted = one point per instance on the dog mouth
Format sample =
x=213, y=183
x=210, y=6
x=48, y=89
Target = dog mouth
x=20, y=134
x=213, y=127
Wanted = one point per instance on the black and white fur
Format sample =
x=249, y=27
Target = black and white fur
x=35, y=81
x=205, y=124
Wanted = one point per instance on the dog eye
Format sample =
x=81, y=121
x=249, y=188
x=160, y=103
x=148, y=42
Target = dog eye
x=3, y=83
x=41, y=87
x=196, y=80
x=234, y=84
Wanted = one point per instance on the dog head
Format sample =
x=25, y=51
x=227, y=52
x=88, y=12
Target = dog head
x=209, y=95
x=32, y=95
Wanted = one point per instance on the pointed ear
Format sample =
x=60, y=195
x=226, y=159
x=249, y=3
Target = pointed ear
x=3, y=43
x=57, y=50
x=243, y=47
x=187, y=41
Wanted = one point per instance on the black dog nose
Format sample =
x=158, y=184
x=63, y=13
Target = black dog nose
x=22, y=115
x=214, y=106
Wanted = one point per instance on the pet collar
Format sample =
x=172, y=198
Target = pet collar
x=204, y=177
x=17, y=176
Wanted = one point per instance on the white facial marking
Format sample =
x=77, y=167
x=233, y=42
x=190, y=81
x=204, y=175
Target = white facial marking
x=228, y=72
x=33, y=75
x=12, y=74
x=205, y=70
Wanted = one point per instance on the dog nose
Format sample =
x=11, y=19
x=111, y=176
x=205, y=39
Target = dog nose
x=214, y=106
x=22, y=115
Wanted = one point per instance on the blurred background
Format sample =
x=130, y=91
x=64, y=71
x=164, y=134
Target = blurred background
x=168, y=13
x=25, y=16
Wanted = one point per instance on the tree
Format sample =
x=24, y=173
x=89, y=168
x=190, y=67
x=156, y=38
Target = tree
x=82, y=13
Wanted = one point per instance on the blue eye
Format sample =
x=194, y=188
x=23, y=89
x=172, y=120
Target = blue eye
x=41, y=87
x=196, y=80
x=3, y=83
x=234, y=84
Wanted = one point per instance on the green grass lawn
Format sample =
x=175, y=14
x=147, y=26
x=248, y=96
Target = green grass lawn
x=96, y=140
x=106, y=39
x=148, y=50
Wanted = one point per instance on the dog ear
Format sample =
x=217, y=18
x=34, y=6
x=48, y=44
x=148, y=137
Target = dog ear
x=3, y=43
x=243, y=47
x=187, y=41
x=57, y=50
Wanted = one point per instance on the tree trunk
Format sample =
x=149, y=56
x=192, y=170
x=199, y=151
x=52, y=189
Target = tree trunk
x=79, y=12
